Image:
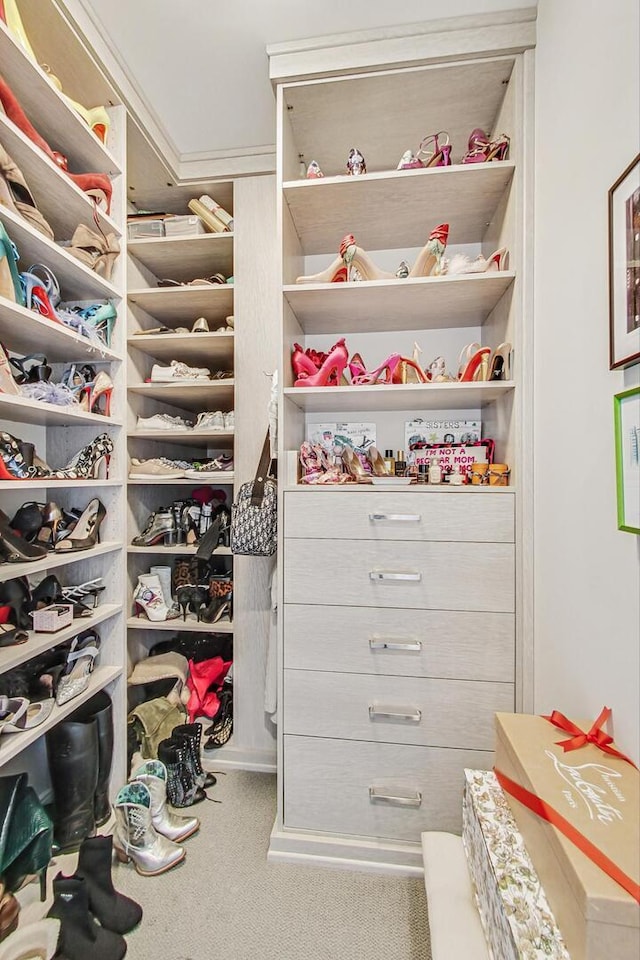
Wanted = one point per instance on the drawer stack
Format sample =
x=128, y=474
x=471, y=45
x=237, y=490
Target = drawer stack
x=399, y=641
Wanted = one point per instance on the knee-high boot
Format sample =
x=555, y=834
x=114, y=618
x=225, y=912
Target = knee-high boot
x=100, y=709
x=72, y=750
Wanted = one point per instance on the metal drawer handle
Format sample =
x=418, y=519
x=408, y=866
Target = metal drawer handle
x=382, y=643
x=395, y=801
x=387, y=575
x=410, y=716
x=400, y=517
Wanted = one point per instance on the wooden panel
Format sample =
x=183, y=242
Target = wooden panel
x=453, y=576
x=204, y=395
x=213, y=349
x=184, y=258
x=387, y=516
x=412, y=396
x=327, y=786
x=426, y=712
x=23, y=328
x=375, y=306
x=180, y=306
x=437, y=643
x=465, y=197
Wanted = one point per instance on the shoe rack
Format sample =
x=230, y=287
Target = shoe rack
x=59, y=432
x=388, y=688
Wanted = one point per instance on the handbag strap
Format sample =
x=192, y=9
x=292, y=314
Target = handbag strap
x=257, y=492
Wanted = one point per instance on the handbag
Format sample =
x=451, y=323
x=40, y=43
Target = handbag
x=254, y=515
x=26, y=833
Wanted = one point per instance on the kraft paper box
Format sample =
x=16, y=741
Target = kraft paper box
x=516, y=918
x=600, y=796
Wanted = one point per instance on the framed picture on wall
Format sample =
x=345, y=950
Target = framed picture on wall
x=626, y=412
x=624, y=268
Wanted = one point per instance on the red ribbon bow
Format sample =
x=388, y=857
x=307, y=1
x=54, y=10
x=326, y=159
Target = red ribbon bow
x=594, y=735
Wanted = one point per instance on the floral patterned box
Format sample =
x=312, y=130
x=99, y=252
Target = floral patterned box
x=516, y=918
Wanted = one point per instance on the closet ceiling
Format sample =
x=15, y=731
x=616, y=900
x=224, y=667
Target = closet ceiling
x=202, y=68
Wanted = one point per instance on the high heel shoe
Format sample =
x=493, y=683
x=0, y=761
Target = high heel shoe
x=79, y=666
x=499, y=260
x=96, y=118
x=39, y=371
x=13, y=549
x=331, y=370
x=475, y=366
x=94, y=320
x=354, y=467
x=218, y=608
x=10, y=286
x=90, y=463
x=86, y=533
x=429, y=260
x=12, y=462
x=15, y=194
x=308, y=362
x=482, y=149
x=78, y=593
x=102, y=386
x=500, y=364
x=52, y=518
x=160, y=528
x=409, y=370
x=8, y=382
x=149, y=598
x=352, y=264
x=35, y=297
x=388, y=368
x=15, y=595
x=27, y=520
x=378, y=466
x=98, y=251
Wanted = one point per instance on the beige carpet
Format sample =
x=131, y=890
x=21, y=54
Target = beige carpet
x=225, y=902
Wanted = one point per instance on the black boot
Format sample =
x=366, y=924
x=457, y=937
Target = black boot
x=114, y=911
x=191, y=735
x=72, y=750
x=100, y=709
x=182, y=789
x=81, y=937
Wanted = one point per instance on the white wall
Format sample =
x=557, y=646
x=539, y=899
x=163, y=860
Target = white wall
x=587, y=577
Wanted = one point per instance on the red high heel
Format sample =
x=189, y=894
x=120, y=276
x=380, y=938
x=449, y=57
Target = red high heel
x=302, y=363
x=481, y=149
x=408, y=371
x=102, y=386
x=332, y=367
x=356, y=366
x=388, y=368
x=474, y=365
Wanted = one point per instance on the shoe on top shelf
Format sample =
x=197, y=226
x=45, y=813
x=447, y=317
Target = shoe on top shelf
x=210, y=469
x=163, y=421
x=210, y=420
x=229, y=421
x=178, y=372
x=159, y=467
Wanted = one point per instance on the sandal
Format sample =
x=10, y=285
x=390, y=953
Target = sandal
x=78, y=667
x=18, y=714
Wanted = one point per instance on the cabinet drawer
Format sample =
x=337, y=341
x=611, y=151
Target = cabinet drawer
x=417, y=710
x=433, y=643
x=428, y=576
x=328, y=784
x=363, y=515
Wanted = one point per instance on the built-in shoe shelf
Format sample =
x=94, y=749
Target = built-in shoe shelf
x=178, y=625
x=53, y=560
x=25, y=329
x=195, y=395
x=180, y=548
x=392, y=397
x=180, y=306
x=25, y=410
x=215, y=350
x=220, y=440
x=185, y=258
x=220, y=479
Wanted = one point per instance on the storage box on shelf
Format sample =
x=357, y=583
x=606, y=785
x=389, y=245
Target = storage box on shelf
x=57, y=432
x=418, y=584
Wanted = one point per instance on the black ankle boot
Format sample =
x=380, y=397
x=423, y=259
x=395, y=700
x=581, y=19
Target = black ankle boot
x=72, y=750
x=99, y=709
x=81, y=937
x=182, y=789
x=114, y=911
x=191, y=735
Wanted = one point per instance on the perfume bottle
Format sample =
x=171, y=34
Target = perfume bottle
x=423, y=473
x=400, y=468
x=456, y=478
x=435, y=471
x=389, y=462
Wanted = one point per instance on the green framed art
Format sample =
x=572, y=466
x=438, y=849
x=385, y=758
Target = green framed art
x=626, y=414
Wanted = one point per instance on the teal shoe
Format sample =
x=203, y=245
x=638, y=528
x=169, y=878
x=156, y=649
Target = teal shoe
x=10, y=286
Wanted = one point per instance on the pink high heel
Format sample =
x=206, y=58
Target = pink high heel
x=302, y=363
x=333, y=365
x=481, y=149
x=474, y=366
x=356, y=366
x=353, y=263
x=373, y=376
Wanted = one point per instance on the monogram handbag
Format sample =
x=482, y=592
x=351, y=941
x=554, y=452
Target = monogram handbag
x=254, y=515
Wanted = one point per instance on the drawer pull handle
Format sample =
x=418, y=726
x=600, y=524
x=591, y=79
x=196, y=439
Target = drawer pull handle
x=387, y=575
x=411, y=716
x=381, y=643
x=399, y=517
x=395, y=801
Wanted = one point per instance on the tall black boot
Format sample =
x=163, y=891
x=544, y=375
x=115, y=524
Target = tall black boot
x=72, y=750
x=100, y=709
x=191, y=735
x=81, y=937
x=182, y=789
x=114, y=911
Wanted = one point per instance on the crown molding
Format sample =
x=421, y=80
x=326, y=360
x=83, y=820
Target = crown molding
x=241, y=162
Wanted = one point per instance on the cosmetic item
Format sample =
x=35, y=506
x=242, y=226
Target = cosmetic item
x=456, y=478
x=389, y=462
x=400, y=467
x=423, y=473
x=435, y=471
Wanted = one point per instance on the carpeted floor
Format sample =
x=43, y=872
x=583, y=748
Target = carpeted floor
x=225, y=902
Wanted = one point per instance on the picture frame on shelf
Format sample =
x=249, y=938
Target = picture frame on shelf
x=626, y=412
x=624, y=268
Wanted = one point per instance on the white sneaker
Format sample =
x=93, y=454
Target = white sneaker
x=210, y=420
x=229, y=421
x=162, y=421
x=211, y=469
x=160, y=467
x=178, y=371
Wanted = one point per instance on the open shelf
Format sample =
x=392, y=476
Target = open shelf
x=375, y=306
x=180, y=306
x=203, y=395
x=464, y=196
x=39, y=642
x=193, y=348
x=13, y=744
x=23, y=328
x=26, y=410
x=27, y=486
x=425, y=488
x=77, y=282
x=413, y=396
x=221, y=439
x=51, y=115
x=185, y=258
x=179, y=625
x=224, y=479
x=9, y=571
x=179, y=549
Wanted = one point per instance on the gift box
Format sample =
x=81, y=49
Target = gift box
x=516, y=918
x=594, y=796
x=53, y=618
